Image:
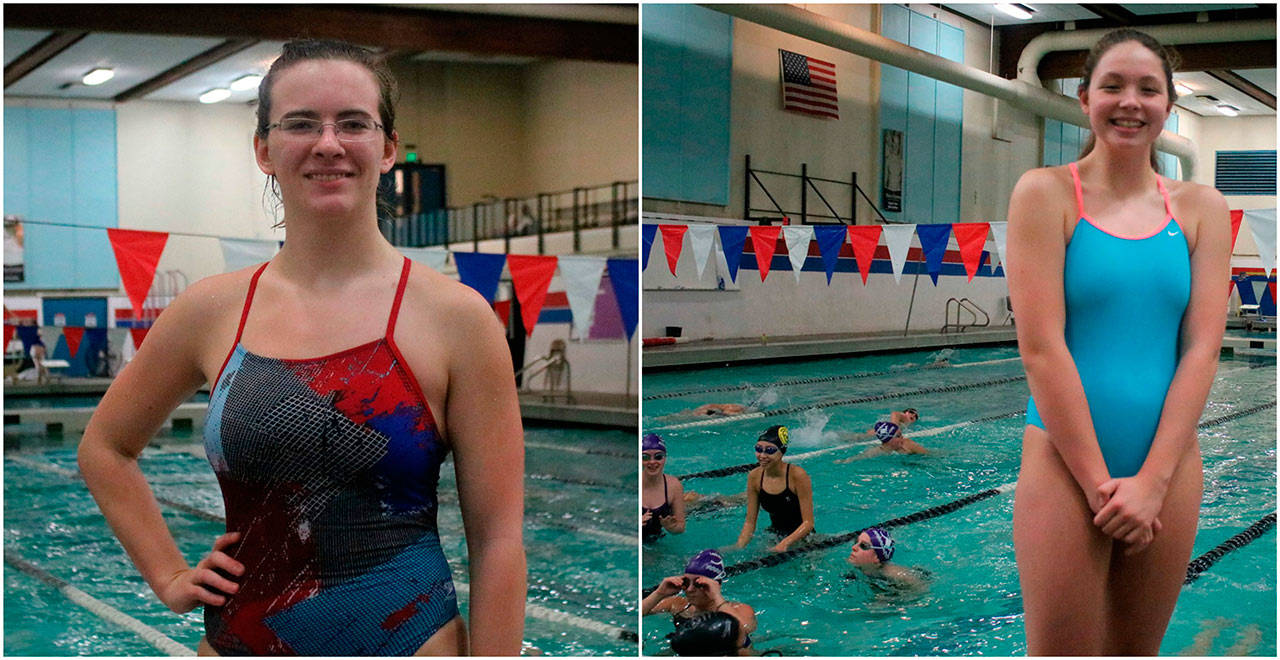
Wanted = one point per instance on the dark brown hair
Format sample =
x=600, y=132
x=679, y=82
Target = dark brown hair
x=1168, y=59
x=301, y=50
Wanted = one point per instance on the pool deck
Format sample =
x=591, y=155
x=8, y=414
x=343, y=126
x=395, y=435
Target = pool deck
x=702, y=353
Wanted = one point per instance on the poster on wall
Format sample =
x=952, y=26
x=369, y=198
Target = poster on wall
x=891, y=172
x=13, y=251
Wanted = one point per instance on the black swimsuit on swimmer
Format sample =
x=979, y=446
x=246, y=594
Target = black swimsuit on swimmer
x=783, y=507
x=652, y=530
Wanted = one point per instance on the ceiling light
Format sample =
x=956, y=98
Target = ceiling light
x=1228, y=110
x=1016, y=10
x=98, y=76
x=214, y=95
x=246, y=82
x=1182, y=88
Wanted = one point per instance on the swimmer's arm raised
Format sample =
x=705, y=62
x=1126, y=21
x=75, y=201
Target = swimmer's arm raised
x=804, y=493
x=753, y=508
x=1034, y=263
x=483, y=418
x=674, y=523
x=663, y=598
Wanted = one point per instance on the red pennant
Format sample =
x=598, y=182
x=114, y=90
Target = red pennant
x=1272, y=287
x=531, y=276
x=864, y=239
x=138, y=335
x=1236, y=217
x=970, y=236
x=673, y=243
x=73, y=335
x=8, y=335
x=764, y=239
x=137, y=253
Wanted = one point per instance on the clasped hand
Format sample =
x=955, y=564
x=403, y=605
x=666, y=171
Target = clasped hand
x=190, y=587
x=1126, y=509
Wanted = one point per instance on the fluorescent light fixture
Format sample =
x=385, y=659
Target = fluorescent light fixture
x=1182, y=89
x=1015, y=10
x=1228, y=109
x=98, y=76
x=246, y=82
x=214, y=95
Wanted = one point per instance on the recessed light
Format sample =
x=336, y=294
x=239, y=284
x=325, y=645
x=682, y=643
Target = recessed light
x=246, y=82
x=1228, y=109
x=1182, y=88
x=1016, y=10
x=214, y=95
x=98, y=76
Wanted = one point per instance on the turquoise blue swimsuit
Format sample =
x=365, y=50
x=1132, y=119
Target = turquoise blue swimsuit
x=1125, y=298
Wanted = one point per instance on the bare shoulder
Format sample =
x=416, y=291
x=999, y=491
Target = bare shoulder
x=1045, y=181
x=1040, y=194
x=1196, y=200
x=444, y=298
x=799, y=472
x=674, y=484
x=209, y=300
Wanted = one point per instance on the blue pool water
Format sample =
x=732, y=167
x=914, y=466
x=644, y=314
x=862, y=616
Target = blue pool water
x=578, y=536
x=806, y=606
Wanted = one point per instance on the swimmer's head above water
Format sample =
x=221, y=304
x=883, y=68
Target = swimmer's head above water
x=873, y=547
x=778, y=436
x=653, y=453
x=708, y=564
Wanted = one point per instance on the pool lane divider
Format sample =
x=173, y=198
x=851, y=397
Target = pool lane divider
x=151, y=636
x=1202, y=563
x=556, y=616
x=844, y=402
x=794, y=381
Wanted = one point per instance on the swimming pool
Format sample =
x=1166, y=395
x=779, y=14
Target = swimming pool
x=971, y=421
x=579, y=541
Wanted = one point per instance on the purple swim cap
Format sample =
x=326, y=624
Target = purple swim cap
x=707, y=563
x=881, y=542
x=652, y=442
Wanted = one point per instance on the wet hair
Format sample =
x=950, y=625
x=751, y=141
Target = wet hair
x=302, y=50
x=1168, y=59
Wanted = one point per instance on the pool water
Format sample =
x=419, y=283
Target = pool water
x=972, y=606
x=579, y=543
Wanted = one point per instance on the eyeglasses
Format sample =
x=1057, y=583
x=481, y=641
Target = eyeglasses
x=769, y=450
x=659, y=456
x=346, y=130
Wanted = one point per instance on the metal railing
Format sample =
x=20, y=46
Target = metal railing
x=844, y=193
x=611, y=205
x=968, y=306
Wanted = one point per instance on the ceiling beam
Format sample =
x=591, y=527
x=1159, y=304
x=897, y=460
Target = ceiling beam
x=223, y=50
x=47, y=49
x=1195, y=57
x=1243, y=85
x=390, y=27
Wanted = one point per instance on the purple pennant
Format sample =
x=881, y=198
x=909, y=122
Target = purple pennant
x=624, y=275
x=647, y=232
x=480, y=271
x=933, y=240
x=830, y=240
x=732, y=238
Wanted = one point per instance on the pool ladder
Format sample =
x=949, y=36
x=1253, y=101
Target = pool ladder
x=968, y=306
x=555, y=370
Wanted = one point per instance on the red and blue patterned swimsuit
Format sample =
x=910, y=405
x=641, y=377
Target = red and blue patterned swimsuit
x=328, y=468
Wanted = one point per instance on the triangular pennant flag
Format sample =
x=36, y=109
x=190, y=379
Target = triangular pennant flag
x=672, y=243
x=830, y=240
x=933, y=240
x=480, y=271
x=898, y=239
x=73, y=335
x=240, y=253
x=9, y=330
x=581, y=276
x=624, y=275
x=1271, y=286
x=647, y=232
x=434, y=258
x=30, y=336
x=138, y=335
x=1262, y=223
x=999, y=232
x=764, y=239
x=864, y=239
x=797, y=240
x=531, y=276
x=137, y=253
x=970, y=236
x=702, y=240
x=732, y=239
x=1236, y=216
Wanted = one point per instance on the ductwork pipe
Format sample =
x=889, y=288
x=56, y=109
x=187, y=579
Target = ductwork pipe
x=1020, y=94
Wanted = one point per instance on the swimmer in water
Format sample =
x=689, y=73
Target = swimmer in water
x=663, y=498
x=780, y=488
x=871, y=554
x=889, y=433
x=699, y=615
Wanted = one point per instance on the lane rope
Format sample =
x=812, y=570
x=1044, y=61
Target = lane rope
x=793, y=381
x=556, y=616
x=1202, y=563
x=151, y=636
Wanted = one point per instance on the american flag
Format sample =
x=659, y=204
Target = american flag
x=808, y=85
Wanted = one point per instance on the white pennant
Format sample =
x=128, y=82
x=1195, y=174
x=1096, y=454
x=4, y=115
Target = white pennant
x=581, y=277
x=998, y=230
x=1262, y=223
x=798, y=239
x=240, y=253
x=702, y=240
x=435, y=257
x=898, y=238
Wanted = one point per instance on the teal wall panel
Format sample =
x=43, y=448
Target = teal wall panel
x=894, y=24
x=917, y=179
x=948, y=132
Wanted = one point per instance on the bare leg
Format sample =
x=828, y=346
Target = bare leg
x=1063, y=559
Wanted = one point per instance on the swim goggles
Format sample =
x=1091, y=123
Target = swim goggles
x=656, y=456
x=767, y=449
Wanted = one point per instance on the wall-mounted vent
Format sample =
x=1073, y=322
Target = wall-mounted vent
x=1245, y=172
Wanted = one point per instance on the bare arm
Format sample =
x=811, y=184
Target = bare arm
x=674, y=523
x=1034, y=262
x=804, y=493
x=483, y=417
x=663, y=598
x=753, y=507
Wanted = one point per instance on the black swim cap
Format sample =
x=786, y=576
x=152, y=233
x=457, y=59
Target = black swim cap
x=777, y=435
x=711, y=633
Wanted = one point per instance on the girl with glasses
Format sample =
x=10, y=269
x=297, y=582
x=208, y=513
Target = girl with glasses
x=341, y=376
x=781, y=489
x=662, y=498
